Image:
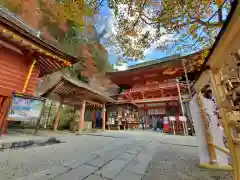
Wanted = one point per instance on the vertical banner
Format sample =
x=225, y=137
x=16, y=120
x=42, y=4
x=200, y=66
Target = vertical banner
x=199, y=131
x=214, y=128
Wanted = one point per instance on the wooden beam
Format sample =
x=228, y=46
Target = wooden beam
x=225, y=150
x=180, y=97
x=25, y=42
x=186, y=76
x=29, y=75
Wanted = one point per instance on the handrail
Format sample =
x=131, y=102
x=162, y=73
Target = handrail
x=225, y=150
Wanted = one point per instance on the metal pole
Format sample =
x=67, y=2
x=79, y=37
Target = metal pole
x=186, y=76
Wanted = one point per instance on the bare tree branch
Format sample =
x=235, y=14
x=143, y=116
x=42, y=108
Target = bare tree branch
x=140, y=14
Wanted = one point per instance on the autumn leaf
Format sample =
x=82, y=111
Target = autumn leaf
x=220, y=2
x=89, y=28
x=131, y=33
x=193, y=28
x=88, y=11
x=201, y=39
x=194, y=35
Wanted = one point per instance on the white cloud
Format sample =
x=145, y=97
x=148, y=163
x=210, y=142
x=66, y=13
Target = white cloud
x=167, y=38
x=122, y=67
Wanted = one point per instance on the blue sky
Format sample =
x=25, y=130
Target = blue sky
x=153, y=54
x=112, y=56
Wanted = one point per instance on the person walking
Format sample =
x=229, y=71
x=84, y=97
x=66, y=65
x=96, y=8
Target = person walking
x=142, y=122
x=154, y=123
x=161, y=123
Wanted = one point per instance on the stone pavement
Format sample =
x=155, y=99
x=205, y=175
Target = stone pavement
x=126, y=158
x=109, y=155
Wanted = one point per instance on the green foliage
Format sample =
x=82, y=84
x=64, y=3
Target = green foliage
x=100, y=55
x=72, y=39
x=192, y=20
x=12, y=5
x=66, y=117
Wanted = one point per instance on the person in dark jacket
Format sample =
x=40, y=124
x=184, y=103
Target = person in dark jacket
x=161, y=123
x=143, y=122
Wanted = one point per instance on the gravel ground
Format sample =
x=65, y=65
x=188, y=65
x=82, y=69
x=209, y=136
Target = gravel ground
x=174, y=162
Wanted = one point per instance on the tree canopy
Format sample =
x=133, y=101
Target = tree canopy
x=168, y=25
x=172, y=25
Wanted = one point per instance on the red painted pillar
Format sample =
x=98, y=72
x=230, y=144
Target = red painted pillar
x=81, y=120
x=3, y=116
x=5, y=126
x=57, y=118
x=103, y=117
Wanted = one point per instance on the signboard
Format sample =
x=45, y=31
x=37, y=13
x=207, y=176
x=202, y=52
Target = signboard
x=186, y=98
x=156, y=111
x=25, y=108
x=156, y=104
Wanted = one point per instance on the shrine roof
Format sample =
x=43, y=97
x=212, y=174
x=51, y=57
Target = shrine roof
x=72, y=91
x=89, y=88
x=169, y=61
x=15, y=32
x=154, y=62
x=159, y=67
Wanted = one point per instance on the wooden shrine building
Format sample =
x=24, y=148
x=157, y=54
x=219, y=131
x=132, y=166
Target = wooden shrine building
x=24, y=58
x=158, y=87
x=79, y=95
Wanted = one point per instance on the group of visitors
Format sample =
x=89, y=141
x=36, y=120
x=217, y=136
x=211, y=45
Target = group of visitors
x=157, y=123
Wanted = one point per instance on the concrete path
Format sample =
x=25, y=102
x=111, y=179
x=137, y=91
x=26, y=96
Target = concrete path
x=129, y=155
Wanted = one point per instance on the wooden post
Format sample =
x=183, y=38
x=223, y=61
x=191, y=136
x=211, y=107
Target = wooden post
x=186, y=76
x=103, y=116
x=180, y=97
x=29, y=75
x=234, y=148
x=57, y=117
x=82, y=114
x=4, y=109
x=190, y=94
